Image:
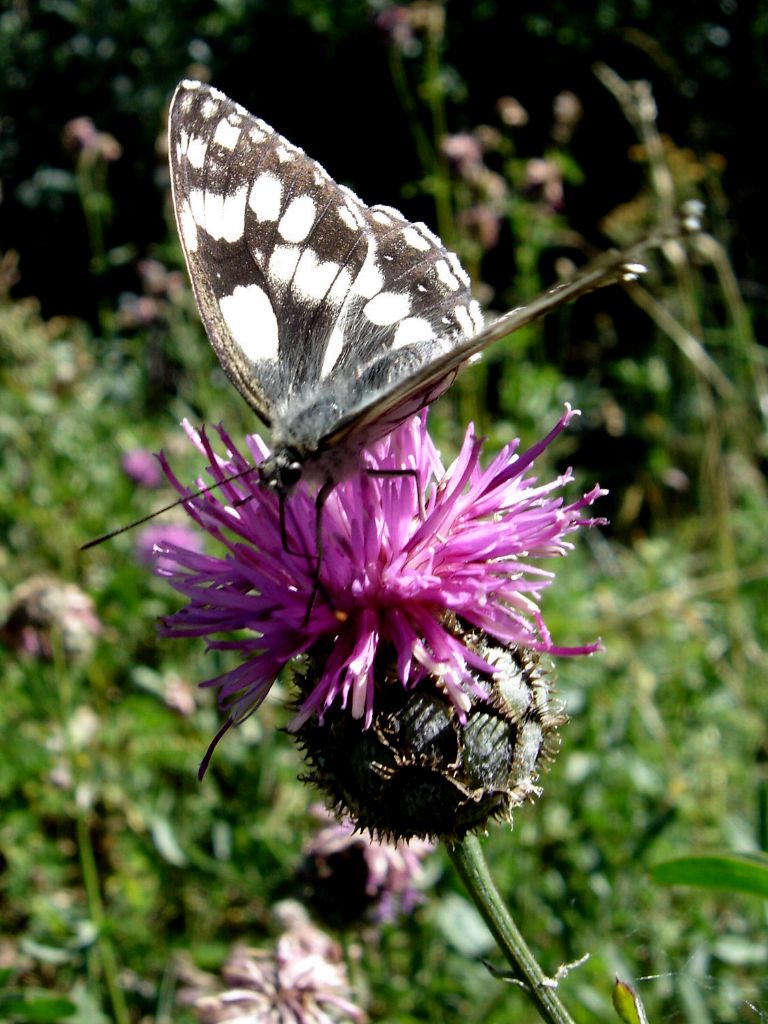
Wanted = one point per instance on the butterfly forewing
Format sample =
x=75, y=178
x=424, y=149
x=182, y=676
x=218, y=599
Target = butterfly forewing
x=333, y=319
x=316, y=304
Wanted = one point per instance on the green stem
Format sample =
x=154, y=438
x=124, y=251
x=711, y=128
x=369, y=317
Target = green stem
x=107, y=955
x=467, y=857
x=88, y=865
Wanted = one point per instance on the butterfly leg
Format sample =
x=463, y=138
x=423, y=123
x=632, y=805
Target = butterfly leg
x=317, y=585
x=404, y=472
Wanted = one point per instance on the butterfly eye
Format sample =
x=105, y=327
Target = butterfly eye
x=288, y=475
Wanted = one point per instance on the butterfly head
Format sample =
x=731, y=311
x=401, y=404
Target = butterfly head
x=281, y=471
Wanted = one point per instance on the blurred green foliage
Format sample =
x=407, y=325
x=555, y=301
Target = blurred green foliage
x=114, y=860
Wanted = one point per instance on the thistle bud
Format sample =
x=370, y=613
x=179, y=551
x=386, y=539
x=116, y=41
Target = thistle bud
x=422, y=769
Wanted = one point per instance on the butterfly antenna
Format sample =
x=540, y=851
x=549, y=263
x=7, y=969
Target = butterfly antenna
x=166, y=508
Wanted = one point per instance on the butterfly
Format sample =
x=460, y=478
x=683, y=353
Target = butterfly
x=334, y=320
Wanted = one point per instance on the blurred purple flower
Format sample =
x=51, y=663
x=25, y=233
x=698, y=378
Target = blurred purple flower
x=158, y=280
x=395, y=22
x=142, y=467
x=403, y=555
x=136, y=311
x=394, y=872
x=82, y=136
x=302, y=980
x=44, y=610
x=156, y=545
x=483, y=222
x=512, y=112
x=465, y=151
x=567, y=112
x=546, y=177
x=160, y=287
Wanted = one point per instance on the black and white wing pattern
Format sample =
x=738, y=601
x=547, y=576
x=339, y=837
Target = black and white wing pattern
x=318, y=306
x=333, y=319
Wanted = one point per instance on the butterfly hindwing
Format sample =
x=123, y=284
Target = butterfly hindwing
x=316, y=304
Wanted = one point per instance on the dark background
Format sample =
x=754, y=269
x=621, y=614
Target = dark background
x=320, y=74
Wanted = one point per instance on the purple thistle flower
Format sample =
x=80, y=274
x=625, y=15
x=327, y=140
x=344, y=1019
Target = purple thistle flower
x=303, y=979
x=44, y=608
x=401, y=555
x=141, y=466
x=394, y=875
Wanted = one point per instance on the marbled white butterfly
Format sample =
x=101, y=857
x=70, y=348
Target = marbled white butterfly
x=334, y=320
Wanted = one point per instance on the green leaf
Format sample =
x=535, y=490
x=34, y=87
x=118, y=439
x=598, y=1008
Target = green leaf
x=463, y=927
x=166, y=841
x=731, y=872
x=627, y=1004
x=28, y=1007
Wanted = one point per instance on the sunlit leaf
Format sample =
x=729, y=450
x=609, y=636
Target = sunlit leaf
x=627, y=1004
x=30, y=1006
x=730, y=872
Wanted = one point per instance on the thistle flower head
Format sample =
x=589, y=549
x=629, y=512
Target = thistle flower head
x=349, y=872
x=408, y=550
x=44, y=611
x=302, y=979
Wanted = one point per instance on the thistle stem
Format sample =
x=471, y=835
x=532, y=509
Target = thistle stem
x=468, y=859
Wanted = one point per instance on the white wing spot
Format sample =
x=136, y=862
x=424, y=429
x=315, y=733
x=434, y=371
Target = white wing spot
x=340, y=288
x=332, y=350
x=226, y=134
x=251, y=320
x=188, y=227
x=346, y=217
x=387, y=308
x=224, y=216
x=444, y=273
x=413, y=330
x=210, y=105
x=428, y=235
x=457, y=268
x=369, y=280
x=282, y=262
x=312, y=278
x=381, y=218
x=196, y=149
x=415, y=239
x=476, y=315
x=296, y=223
x=256, y=133
x=266, y=196
x=352, y=197
x=286, y=151
x=319, y=175
x=196, y=203
x=353, y=207
x=387, y=211
x=465, y=320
